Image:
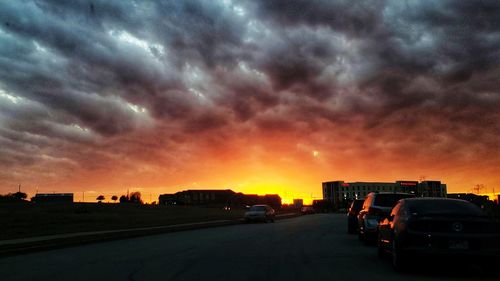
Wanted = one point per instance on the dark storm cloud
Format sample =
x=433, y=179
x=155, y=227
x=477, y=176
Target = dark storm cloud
x=352, y=17
x=94, y=73
x=416, y=57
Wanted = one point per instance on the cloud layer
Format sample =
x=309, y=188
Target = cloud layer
x=165, y=93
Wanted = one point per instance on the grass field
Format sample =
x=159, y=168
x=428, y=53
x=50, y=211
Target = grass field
x=20, y=220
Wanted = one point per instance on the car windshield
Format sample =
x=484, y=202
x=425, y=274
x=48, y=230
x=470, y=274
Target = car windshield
x=258, y=208
x=389, y=200
x=443, y=207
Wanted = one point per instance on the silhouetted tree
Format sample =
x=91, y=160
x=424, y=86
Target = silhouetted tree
x=13, y=197
x=100, y=198
x=135, y=197
x=19, y=195
x=124, y=199
x=114, y=198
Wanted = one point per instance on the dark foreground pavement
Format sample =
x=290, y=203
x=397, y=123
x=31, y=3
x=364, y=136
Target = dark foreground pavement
x=312, y=247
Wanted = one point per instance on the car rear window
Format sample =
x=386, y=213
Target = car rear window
x=258, y=208
x=443, y=207
x=389, y=200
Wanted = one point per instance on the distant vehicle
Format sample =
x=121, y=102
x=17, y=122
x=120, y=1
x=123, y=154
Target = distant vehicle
x=260, y=213
x=307, y=210
x=352, y=216
x=438, y=226
x=377, y=206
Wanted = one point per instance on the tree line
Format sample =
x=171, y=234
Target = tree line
x=134, y=197
x=13, y=197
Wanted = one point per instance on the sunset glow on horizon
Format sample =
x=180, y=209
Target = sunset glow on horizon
x=255, y=96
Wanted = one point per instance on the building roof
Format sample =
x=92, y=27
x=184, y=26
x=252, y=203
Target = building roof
x=53, y=194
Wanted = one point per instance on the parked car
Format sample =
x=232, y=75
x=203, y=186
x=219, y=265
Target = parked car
x=352, y=216
x=438, y=226
x=307, y=210
x=260, y=213
x=377, y=205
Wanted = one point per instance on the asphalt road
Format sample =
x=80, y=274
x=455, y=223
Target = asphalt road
x=314, y=247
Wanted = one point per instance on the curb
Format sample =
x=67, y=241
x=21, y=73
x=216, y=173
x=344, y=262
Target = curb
x=11, y=248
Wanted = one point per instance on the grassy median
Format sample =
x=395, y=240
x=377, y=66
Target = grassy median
x=20, y=220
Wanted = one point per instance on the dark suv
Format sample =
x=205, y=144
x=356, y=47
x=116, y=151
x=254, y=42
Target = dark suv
x=440, y=227
x=352, y=216
x=377, y=206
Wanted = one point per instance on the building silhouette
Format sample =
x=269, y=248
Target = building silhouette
x=218, y=198
x=298, y=203
x=340, y=193
x=52, y=198
x=479, y=200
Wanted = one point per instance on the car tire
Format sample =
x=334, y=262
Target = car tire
x=380, y=248
x=350, y=228
x=399, y=259
x=361, y=237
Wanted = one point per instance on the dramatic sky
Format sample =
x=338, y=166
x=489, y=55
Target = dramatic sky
x=257, y=96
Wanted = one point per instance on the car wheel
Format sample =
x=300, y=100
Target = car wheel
x=380, y=248
x=350, y=228
x=399, y=260
x=361, y=236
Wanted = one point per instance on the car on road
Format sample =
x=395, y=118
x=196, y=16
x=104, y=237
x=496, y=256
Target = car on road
x=307, y=210
x=377, y=205
x=440, y=227
x=260, y=213
x=352, y=216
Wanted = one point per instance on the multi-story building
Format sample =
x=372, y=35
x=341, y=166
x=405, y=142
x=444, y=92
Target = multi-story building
x=340, y=193
x=431, y=189
x=218, y=197
x=298, y=203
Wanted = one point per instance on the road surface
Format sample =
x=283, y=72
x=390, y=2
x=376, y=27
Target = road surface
x=313, y=247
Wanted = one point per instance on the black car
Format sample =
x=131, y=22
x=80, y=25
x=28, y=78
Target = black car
x=377, y=205
x=352, y=216
x=438, y=227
